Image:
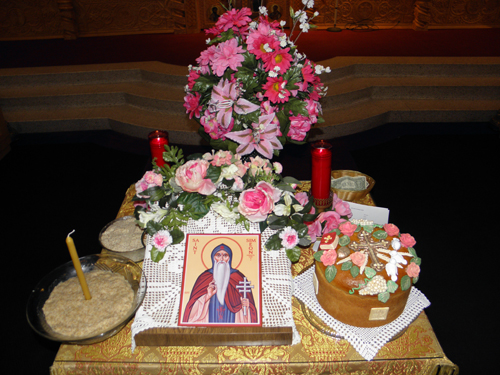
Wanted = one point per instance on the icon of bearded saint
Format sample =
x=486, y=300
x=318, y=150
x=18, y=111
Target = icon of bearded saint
x=215, y=298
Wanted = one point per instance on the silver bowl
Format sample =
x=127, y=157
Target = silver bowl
x=113, y=263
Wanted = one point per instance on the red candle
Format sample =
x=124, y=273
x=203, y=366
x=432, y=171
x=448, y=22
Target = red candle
x=157, y=141
x=321, y=173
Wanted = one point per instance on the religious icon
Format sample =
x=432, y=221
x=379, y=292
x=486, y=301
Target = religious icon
x=222, y=282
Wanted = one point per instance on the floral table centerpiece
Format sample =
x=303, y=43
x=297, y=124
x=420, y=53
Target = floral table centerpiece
x=251, y=90
x=240, y=192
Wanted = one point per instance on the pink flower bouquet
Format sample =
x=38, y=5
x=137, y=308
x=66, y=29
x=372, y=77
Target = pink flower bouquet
x=241, y=192
x=251, y=90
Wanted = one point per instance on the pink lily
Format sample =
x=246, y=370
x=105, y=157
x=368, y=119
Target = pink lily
x=262, y=138
x=225, y=98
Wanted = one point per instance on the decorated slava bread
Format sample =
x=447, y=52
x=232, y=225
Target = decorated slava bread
x=364, y=273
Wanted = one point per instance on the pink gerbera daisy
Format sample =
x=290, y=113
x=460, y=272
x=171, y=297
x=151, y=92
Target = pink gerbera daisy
x=279, y=58
x=275, y=90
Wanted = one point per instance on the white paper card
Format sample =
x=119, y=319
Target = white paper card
x=378, y=215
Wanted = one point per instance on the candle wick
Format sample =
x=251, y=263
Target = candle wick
x=70, y=233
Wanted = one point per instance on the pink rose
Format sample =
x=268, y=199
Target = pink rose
x=343, y=209
x=413, y=270
x=191, y=177
x=302, y=198
x=332, y=218
x=391, y=229
x=314, y=230
x=358, y=258
x=329, y=257
x=256, y=204
x=407, y=240
x=274, y=193
x=348, y=228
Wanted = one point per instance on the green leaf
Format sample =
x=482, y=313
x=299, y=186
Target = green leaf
x=155, y=193
x=370, y=272
x=277, y=222
x=195, y=203
x=153, y=227
x=415, y=280
x=317, y=255
x=412, y=251
x=262, y=226
x=368, y=228
x=330, y=273
x=384, y=297
x=157, y=255
x=291, y=180
x=416, y=260
x=405, y=282
x=391, y=286
x=346, y=266
x=380, y=235
x=293, y=254
x=344, y=240
x=177, y=236
x=274, y=242
x=213, y=173
x=354, y=271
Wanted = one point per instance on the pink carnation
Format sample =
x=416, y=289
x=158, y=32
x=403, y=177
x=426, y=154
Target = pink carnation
x=329, y=257
x=347, y=228
x=413, y=270
x=407, y=240
x=227, y=55
x=192, y=105
x=299, y=127
x=162, y=239
x=391, y=229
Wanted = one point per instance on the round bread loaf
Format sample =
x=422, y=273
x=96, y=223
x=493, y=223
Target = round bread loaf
x=364, y=273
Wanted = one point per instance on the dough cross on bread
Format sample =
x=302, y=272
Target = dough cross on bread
x=370, y=247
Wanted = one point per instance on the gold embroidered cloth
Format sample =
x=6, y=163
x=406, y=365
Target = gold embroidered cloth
x=417, y=351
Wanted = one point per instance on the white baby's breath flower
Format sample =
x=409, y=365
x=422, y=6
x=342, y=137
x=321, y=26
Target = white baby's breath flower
x=207, y=41
x=273, y=74
x=263, y=10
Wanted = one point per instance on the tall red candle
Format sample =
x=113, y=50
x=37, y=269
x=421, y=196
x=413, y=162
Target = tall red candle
x=321, y=174
x=157, y=141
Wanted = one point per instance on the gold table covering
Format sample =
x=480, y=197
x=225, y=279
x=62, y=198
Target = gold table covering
x=417, y=351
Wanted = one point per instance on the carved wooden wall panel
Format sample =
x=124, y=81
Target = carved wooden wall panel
x=69, y=19
x=33, y=19
x=465, y=13
x=111, y=17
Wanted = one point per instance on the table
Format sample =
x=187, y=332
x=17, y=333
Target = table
x=417, y=351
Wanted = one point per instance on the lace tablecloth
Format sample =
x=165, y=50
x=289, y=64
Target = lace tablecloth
x=366, y=341
x=160, y=308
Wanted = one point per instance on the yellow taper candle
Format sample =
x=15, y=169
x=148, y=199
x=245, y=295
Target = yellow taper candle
x=78, y=266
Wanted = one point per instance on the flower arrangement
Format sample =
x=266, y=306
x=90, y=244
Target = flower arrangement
x=239, y=191
x=251, y=89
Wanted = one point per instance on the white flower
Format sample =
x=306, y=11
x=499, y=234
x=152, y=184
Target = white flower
x=282, y=210
x=228, y=172
x=289, y=238
x=154, y=215
x=282, y=23
x=227, y=213
x=305, y=27
x=308, y=3
x=263, y=10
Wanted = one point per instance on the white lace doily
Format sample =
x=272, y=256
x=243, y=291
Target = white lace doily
x=366, y=341
x=160, y=308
